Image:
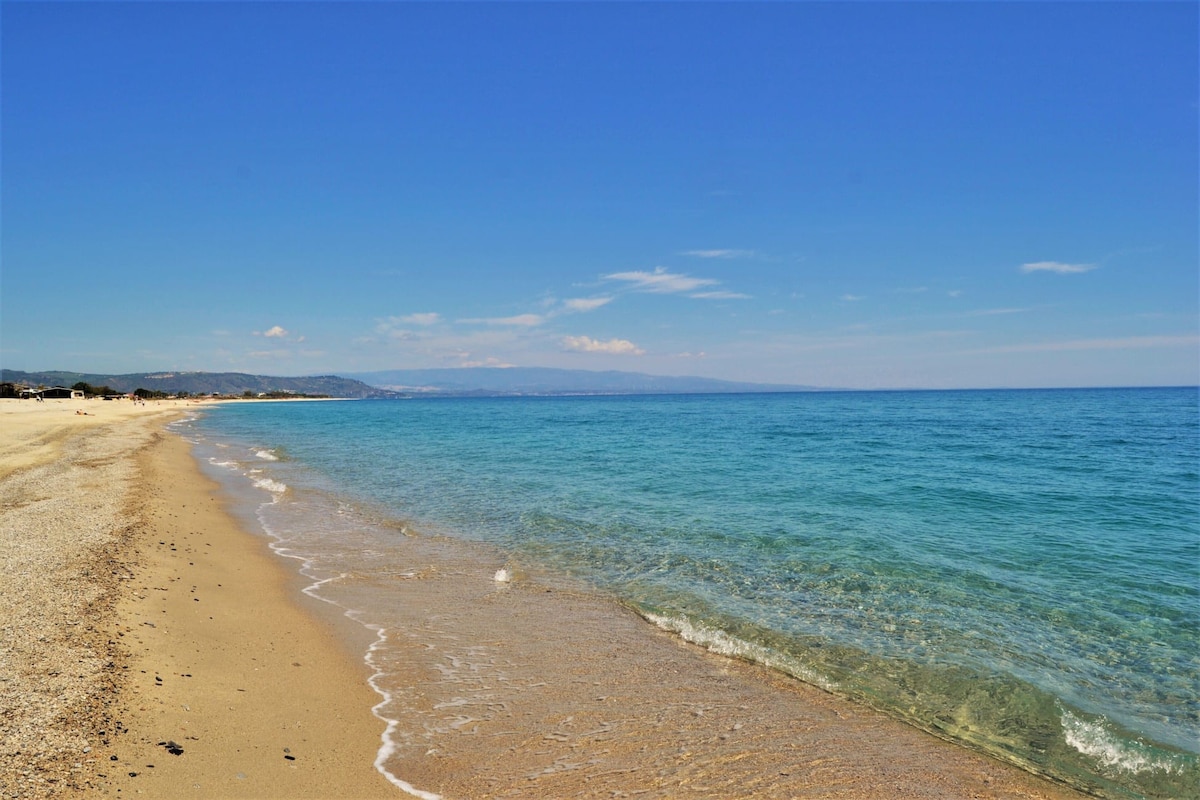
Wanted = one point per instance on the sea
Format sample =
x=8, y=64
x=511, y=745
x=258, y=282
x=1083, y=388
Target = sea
x=1017, y=571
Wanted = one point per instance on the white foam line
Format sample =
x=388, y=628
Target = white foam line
x=720, y=642
x=1095, y=739
x=388, y=746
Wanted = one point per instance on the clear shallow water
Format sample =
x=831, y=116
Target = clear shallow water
x=1018, y=570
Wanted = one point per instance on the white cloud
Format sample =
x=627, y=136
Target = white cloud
x=853, y=298
x=1056, y=267
x=660, y=281
x=719, y=253
x=431, y=318
x=586, y=344
x=586, y=303
x=278, y=332
x=519, y=321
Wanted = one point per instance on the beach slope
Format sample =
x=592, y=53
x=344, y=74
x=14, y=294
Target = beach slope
x=150, y=645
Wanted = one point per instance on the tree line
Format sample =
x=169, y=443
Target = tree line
x=145, y=394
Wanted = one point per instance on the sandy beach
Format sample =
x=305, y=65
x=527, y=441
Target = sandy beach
x=154, y=647
x=151, y=647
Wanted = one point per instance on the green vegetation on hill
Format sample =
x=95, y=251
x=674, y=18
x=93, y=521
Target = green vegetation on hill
x=235, y=384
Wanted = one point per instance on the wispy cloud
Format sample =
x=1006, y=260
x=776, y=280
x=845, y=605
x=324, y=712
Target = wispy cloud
x=393, y=328
x=853, y=298
x=519, y=321
x=719, y=253
x=1126, y=343
x=586, y=344
x=586, y=303
x=1056, y=267
x=661, y=281
x=720, y=295
x=466, y=360
x=431, y=318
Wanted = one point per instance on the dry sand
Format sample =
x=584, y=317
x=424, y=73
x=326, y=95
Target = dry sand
x=153, y=648
x=150, y=646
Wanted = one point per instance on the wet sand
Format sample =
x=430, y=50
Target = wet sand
x=145, y=621
x=534, y=690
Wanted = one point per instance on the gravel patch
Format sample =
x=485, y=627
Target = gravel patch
x=62, y=529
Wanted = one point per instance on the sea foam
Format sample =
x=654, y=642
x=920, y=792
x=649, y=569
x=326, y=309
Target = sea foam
x=272, y=486
x=719, y=641
x=1096, y=740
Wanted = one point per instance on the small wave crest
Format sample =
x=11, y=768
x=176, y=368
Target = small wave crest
x=266, y=455
x=272, y=486
x=1095, y=739
x=719, y=641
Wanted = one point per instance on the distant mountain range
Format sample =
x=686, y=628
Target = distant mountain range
x=549, y=381
x=228, y=383
x=478, y=381
x=481, y=381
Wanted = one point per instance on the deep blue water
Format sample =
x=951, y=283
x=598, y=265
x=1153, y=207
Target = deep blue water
x=1018, y=570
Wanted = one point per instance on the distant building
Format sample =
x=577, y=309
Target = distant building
x=60, y=393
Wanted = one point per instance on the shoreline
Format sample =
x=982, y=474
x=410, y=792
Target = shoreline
x=535, y=687
x=203, y=627
x=200, y=673
x=226, y=662
x=525, y=690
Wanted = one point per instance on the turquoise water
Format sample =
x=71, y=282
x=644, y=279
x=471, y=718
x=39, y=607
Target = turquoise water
x=1016, y=570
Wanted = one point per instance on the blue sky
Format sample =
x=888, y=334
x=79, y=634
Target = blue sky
x=840, y=194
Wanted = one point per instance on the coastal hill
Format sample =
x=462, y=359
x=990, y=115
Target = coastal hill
x=464, y=382
x=549, y=381
x=194, y=383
